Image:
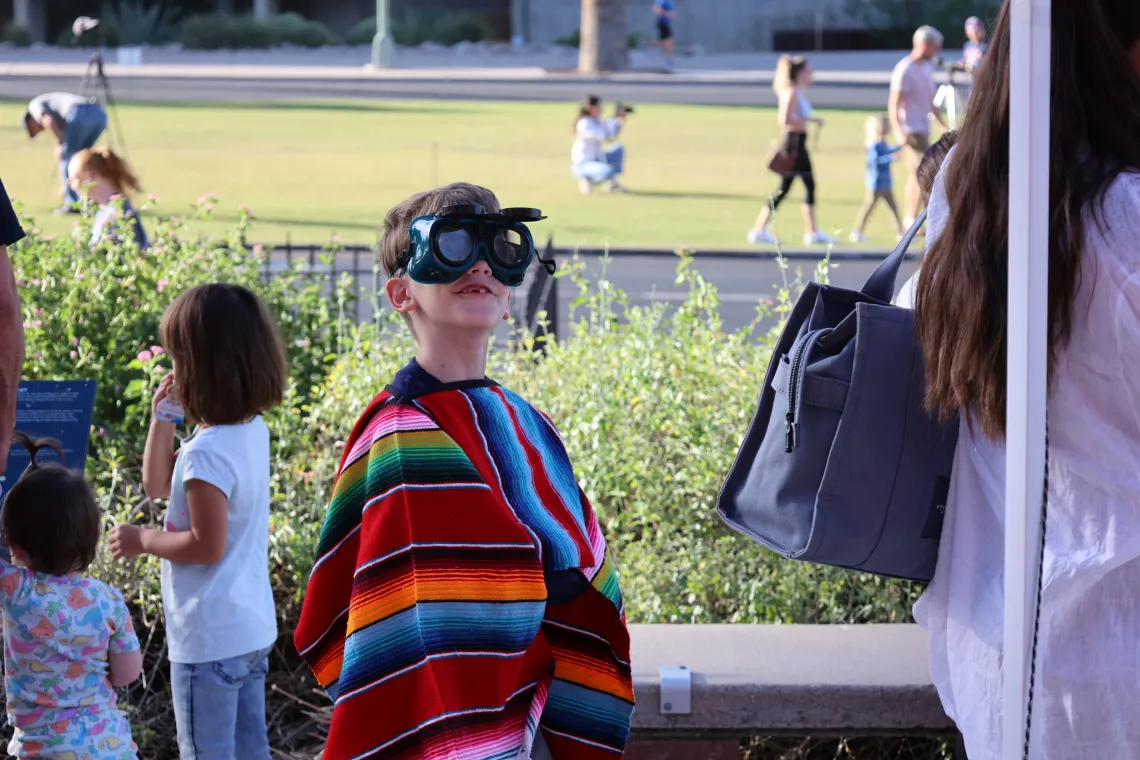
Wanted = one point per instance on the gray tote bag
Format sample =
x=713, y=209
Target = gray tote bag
x=842, y=465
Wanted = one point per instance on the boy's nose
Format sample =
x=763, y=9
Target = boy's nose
x=481, y=266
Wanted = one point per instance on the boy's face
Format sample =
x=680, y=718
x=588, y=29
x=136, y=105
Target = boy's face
x=475, y=303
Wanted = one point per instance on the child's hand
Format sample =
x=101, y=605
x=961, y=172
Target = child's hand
x=126, y=541
x=162, y=392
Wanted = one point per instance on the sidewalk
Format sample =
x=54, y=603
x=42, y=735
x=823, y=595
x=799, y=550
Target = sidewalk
x=468, y=63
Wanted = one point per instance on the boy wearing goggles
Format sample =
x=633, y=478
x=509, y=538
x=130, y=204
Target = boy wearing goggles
x=463, y=602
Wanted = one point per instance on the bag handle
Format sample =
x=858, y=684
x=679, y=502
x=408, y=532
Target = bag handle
x=881, y=284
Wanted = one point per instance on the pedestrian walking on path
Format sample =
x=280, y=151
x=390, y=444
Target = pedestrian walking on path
x=666, y=14
x=911, y=106
x=75, y=123
x=793, y=77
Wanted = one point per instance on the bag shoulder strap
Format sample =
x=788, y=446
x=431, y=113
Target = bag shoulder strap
x=881, y=284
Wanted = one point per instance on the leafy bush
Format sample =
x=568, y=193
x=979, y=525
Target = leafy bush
x=16, y=35
x=652, y=405
x=892, y=22
x=295, y=29
x=363, y=33
x=216, y=31
x=137, y=23
x=453, y=28
x=574, y=39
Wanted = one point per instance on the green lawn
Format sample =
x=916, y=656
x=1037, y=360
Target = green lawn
x=312, y=169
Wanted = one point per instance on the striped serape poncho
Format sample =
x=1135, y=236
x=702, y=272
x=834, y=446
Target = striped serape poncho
x=427, y=617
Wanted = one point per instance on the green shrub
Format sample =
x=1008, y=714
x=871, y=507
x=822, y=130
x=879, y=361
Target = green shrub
x=574, y=39
x=453, y=28
x=652, y=405
x=411, y=28
x=295, y=29
x=137, y=23
x=16, y=35
x=216, y=31
x=363, y=33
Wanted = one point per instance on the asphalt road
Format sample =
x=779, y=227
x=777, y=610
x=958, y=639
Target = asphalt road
x=853, y=95
x=743, y=282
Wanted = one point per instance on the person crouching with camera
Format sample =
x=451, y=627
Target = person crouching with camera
x=592, y=161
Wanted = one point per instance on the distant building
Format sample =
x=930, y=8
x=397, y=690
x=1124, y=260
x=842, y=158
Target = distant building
x=713, y=25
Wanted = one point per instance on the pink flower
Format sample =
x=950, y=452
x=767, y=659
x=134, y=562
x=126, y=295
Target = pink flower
x=101, y=433
x=157, y=350
x=206, y=198
x=145, y=356
x=336, y=238
x=246, y=210
x=209, y=207
x=258, y=249
x=153, y=198
x=162, y=285
x=74, y=354
x=75, y=341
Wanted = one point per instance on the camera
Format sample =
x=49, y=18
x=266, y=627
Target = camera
x=621, y=109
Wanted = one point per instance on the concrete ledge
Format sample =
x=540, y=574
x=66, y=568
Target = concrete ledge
x=772, y=679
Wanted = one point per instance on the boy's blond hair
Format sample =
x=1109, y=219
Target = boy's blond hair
x=397, y=222
x=876, y=129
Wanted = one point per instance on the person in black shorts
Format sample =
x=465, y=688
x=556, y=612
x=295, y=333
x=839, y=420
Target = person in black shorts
x=11, y=328
x=666, y=14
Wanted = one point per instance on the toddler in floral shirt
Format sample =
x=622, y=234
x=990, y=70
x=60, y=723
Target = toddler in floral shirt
x=68, y=640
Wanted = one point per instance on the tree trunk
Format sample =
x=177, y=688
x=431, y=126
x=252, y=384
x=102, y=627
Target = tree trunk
x=604, y=41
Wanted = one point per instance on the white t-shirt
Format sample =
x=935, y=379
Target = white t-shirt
x=215, y=612
x=1088, y=656
x=914, y=82
x=590, y=135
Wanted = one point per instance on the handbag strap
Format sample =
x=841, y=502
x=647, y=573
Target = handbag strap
x=881, y=284
x=1037, y=603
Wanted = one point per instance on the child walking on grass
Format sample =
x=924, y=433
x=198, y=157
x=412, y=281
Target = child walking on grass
x=100, y=176
x=880, y=185
x=463, y=603
x=229, y=368
x=68, y=640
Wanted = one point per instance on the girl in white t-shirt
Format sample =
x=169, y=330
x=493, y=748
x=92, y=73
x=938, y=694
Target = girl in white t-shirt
x=229, y=368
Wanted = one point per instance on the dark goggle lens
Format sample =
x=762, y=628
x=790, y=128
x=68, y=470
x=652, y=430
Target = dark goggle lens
x=454, y=245
x=511, y=248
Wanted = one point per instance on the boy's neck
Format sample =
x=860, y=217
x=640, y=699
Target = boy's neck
x=454, y=361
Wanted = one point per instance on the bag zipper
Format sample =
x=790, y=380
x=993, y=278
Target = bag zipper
x=793, y=389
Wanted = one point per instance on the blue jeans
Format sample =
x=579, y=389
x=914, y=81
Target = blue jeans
x=611, y=165
x=219, y=708
x=80, y=131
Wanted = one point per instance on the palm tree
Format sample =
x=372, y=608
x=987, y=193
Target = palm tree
x=604, y=41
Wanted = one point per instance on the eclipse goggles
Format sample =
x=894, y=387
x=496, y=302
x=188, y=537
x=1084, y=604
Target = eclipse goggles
x=446, y=245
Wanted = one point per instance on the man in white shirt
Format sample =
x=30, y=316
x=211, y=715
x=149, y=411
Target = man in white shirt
x=911, y=106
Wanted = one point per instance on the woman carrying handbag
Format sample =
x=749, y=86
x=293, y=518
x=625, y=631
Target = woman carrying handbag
x=792, y=160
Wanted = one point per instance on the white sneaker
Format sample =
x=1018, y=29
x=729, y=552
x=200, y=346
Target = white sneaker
x=858, y=237
x=819, y=238
x=761, y=237
x=585, y=186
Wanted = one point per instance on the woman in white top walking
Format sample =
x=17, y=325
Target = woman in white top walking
x=793, y=76
x=591, y=161
x=1087, y=690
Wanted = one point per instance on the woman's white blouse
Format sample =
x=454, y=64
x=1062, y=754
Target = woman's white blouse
x=590, y=137
x=1087, y=698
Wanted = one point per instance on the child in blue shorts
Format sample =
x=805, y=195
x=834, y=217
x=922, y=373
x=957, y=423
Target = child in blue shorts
x=880, y=187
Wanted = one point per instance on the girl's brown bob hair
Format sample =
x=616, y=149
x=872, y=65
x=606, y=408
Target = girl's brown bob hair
x=229, y=360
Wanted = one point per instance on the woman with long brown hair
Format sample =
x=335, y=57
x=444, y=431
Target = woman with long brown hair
x=1088, y=657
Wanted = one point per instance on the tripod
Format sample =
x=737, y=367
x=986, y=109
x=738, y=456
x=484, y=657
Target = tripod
x=949, y=100
x=96, y=86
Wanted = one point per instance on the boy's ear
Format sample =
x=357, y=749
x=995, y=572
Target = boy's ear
x=399, y=295
x=507, y=313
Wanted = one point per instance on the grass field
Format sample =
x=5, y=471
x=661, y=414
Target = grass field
x=313, y=169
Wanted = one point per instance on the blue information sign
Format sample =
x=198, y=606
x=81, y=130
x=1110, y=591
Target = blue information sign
x=48, y=409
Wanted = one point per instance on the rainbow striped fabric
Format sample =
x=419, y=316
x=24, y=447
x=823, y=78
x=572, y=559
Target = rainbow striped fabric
x=426, y=617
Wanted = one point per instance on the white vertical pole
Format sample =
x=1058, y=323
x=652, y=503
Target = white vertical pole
x=1027, y=368
x=383, y=46
x=262, y=10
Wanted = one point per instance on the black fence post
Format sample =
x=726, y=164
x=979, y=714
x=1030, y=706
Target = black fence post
x=538, y=294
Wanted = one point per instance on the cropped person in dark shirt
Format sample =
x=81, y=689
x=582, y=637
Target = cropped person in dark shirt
x=11, y=327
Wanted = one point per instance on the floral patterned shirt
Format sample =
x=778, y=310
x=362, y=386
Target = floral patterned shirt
x=58, y=635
